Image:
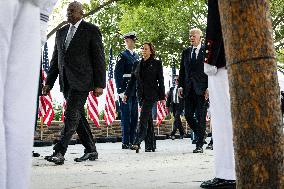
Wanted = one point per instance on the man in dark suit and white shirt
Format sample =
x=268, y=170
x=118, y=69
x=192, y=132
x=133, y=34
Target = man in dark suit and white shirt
x=193, y=83
x=175, y=103
x=79, y=60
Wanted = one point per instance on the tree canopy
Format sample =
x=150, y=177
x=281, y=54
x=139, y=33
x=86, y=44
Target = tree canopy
x=165, y=23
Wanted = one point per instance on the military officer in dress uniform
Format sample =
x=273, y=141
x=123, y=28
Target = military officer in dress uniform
x=122, y=74
x=218, y=86
x=19, y=73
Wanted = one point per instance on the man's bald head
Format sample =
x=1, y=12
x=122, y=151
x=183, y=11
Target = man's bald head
x=74, y=12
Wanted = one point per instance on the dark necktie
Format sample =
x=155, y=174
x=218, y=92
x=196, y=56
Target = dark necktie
x=193, y=56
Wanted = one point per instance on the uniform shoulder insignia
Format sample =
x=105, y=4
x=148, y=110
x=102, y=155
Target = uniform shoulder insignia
x=119, y=57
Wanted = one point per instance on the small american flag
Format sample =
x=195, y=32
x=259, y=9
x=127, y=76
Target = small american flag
x=45, y=102
x=92, y=107
x=161, y=111
x=110, y=108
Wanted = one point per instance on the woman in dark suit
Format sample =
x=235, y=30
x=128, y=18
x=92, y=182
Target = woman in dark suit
x=147, y=76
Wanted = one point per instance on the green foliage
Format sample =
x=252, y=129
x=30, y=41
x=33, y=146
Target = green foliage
x=57, y=112
x=165, y=23
x=277, y=15
x=166, y=27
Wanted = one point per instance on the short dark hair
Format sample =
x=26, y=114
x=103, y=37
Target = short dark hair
x=152, y=49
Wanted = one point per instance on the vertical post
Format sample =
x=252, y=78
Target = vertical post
x=255, y=94
x=41, y=128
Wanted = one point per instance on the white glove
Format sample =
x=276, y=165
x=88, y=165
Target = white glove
x=209, y=69
x=121, y=95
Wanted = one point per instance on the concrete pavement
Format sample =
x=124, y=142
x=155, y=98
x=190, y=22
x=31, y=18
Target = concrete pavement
x=172, y=166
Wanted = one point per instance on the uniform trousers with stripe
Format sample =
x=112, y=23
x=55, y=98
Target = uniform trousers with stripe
x=19, y=74
x=129, y=119
x=222, y=129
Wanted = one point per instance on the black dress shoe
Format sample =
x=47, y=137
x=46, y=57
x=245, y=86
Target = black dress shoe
x=150, y=150
x=209, y=147
x=218, y=183
x=172, y=137
x=92, y=156
x=125, y=146
x=198, y=150
x=48, y=158
x=58, y=159
x=35, y=154
x=135, y=147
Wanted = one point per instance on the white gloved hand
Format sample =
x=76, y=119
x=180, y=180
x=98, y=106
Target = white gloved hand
x=121, y=95
x=209, y=69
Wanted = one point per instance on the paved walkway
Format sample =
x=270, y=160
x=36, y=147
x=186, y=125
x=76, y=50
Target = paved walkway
x=172, y=166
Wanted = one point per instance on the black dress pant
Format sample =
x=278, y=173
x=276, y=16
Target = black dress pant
x=75, y=120
x=195, y=109
x=145, y=129
x=177, y=111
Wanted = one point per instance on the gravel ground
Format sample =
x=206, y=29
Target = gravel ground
x=172, y=166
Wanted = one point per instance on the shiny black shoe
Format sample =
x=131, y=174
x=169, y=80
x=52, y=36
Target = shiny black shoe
x=125, y=146
x=218, y=183
x=198, y=150
x=58, y=159
x=209, y=147
x=92, y=156
x=48, y=158
x=172, y=137
x=35, y=154
x=135, y=147
x=150, y=150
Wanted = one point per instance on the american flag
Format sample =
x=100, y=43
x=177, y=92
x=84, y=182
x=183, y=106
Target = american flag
x=92, y=107
x=45, y=102
x=110, y=108
x=161, y=111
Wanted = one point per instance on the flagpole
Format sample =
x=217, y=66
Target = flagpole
x=158, y=129
x=172, y=121
x=41, y=127
x=107, y=130
x=186, y=125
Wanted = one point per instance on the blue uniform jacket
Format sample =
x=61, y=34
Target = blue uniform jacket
x=122, y=71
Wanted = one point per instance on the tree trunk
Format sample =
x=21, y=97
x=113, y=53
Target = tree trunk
x=255, y=93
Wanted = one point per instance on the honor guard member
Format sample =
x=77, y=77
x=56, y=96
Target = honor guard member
x=122, y=74
x=218, y=86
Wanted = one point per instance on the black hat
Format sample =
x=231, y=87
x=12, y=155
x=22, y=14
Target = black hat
x=131, y=35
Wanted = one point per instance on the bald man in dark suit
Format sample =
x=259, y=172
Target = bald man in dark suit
x=79, y=60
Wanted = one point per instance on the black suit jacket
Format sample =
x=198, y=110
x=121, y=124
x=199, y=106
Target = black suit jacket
x=170, y=100
x=192, y=76
x=82, y=65
x=148, y=77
